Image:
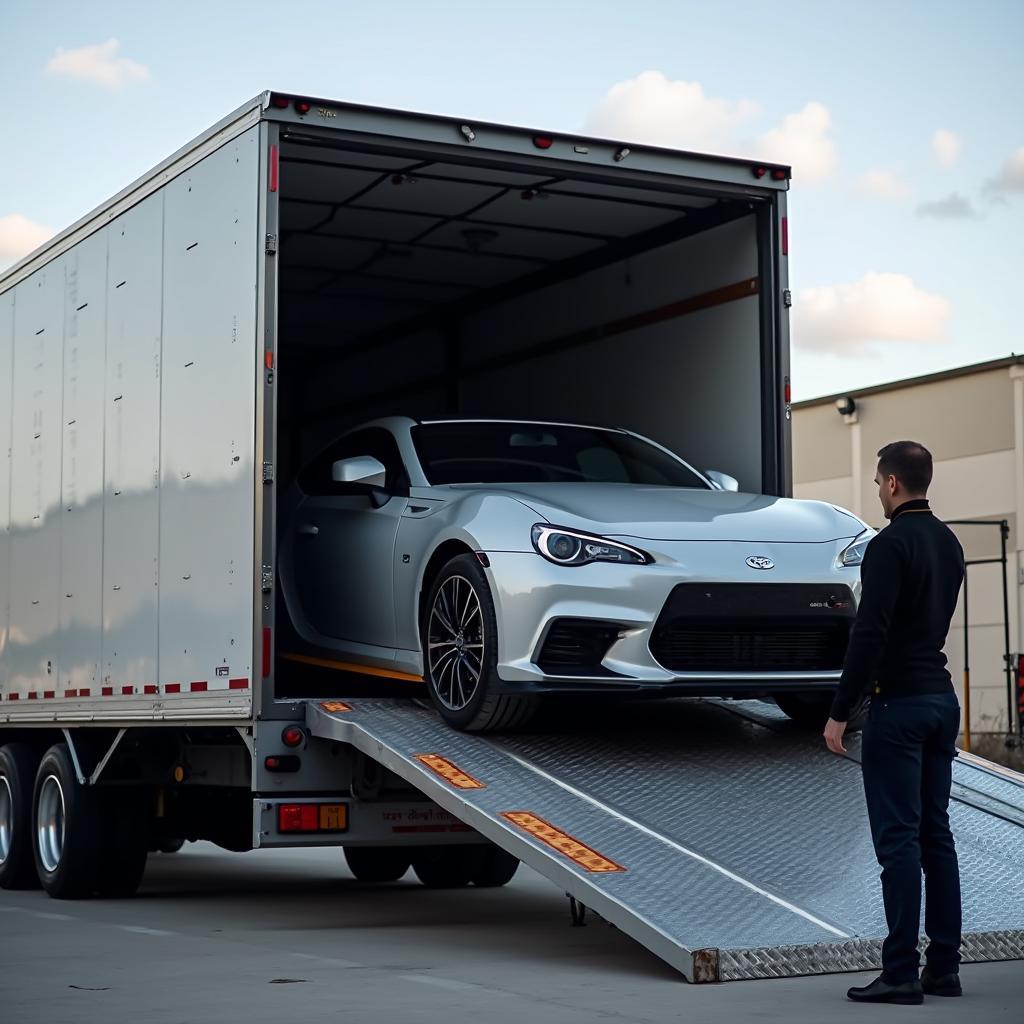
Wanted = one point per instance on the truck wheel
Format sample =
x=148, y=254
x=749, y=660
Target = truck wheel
x=493, y=867
x=17, y=773
x=444, y=867
x=810, y=710
x=124, y=845
x=66, y=829
x=377, y=863
x=460, y=653
x=169, y=845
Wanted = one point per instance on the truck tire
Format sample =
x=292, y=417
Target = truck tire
x=444, y=867
x=377, y=863
x=66, y=828
x=460, y=653
x=811, y=710
x=493, y=867
x=17, y=775
x=124, y=842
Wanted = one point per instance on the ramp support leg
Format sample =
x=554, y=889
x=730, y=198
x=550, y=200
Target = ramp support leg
x=577, y=911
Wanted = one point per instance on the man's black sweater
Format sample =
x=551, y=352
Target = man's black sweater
x=910, y=580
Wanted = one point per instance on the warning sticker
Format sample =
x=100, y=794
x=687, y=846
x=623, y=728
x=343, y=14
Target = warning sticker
x=588, y=859
x=335, y=705
x=451, y=773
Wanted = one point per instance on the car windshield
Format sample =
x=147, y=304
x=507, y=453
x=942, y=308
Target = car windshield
x=477, y=452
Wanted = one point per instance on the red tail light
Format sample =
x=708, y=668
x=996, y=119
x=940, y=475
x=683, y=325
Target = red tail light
x=759, y=172
x=281, y=102
x=298, y=818
x=302, y=107
x=543, y=141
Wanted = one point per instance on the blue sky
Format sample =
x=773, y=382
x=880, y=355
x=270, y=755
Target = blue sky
x=906, y=251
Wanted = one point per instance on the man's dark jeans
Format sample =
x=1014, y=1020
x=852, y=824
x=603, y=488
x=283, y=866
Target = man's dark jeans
x=907, y=757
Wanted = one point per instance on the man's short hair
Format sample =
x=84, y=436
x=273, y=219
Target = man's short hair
x=908, y=461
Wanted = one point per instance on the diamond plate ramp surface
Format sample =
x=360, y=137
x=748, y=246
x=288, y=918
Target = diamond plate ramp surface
x=744, y=849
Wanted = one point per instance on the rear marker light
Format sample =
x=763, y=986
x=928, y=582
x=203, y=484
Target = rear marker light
x=274, y=167
x=760, y=172
x=543, y=141
x=785, y=236
x=266, y=651
x=302, y=107
x=282, y=763
x=293, y=736
x=778, y=175
x=281, y=102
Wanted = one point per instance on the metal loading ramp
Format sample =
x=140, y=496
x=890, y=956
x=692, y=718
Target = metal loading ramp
x=719, y=836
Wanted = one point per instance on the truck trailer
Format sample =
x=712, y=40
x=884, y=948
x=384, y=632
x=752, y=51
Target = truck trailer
x=171, y=361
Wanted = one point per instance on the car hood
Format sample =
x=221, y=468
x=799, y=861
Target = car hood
x=681, y=513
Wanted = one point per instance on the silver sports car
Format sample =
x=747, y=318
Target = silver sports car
x=502, y=560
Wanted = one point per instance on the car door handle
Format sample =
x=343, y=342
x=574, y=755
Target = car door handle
x=309, y=530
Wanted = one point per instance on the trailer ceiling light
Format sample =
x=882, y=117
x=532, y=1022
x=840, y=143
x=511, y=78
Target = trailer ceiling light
x=467, y=132
x=621, y=154
x=303, y=107
x=281, y=102
x=293, y=736
x=543, y=141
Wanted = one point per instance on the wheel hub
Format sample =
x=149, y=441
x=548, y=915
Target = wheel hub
x=50, y=823
x=6, y=819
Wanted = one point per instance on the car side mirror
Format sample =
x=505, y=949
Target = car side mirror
x=362, y=474
x=722, y=481
x=360, y=469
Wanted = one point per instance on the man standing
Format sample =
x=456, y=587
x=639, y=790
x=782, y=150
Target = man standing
x=910, y=579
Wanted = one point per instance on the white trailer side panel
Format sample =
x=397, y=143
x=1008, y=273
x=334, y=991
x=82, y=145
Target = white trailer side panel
x=128, y=562
x=6, y=395
x=207, y=421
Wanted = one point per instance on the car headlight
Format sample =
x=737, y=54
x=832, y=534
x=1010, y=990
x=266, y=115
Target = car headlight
x=853, y=553
x=569, y=547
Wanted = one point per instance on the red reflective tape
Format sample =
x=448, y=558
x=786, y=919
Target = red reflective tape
x=107, y=691
x=85, y=693
x=266, y=651
x=173, y=688
x=33, y=695
x=197, y=687
x=151, y=690
x=48, y=695
x=785, y=236
x=70, y=693
x=268, y=360
x=127, y=691
x=238, y=684
x=274, y=162
x=13, y=696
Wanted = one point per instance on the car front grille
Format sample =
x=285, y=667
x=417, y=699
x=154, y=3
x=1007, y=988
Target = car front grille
x=753, y=628
x=576, y=647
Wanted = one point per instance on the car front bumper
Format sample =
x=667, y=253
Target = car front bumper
x=530, y=593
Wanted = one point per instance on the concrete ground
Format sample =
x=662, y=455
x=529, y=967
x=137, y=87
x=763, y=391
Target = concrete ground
x=289, y=936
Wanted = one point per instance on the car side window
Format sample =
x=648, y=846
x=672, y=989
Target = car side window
x=375, y=441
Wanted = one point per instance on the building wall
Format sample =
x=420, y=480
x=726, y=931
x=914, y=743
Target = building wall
x=974, y=426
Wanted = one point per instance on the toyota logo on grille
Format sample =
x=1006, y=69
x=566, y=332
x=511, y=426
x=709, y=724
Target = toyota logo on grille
x=760, y=562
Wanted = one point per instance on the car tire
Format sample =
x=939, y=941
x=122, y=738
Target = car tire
x=66, y=828
x=377, y=863
x=811, y=710
x=444, y=867
x=463, y=684
x=17, y=776
x=493, y=867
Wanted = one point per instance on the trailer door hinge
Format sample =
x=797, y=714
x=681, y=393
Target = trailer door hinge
x=268, y=472
x=787, y=298
x=271, y=245
x=268, y=579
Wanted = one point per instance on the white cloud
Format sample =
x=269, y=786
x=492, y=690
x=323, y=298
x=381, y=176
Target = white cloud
x=880, y=307
x=946, y=146
x=952, y=207
x=655, y=109
x=18, y=237
x=99, y=63
x=1010, y=177
x=802, y=141
x=883, y=184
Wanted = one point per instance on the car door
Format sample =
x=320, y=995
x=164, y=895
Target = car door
x=343, y=547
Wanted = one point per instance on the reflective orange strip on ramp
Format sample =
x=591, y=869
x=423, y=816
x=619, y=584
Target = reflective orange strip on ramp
x=335, y=706
x=347, y=666
x=588, y=859
x=449, y=772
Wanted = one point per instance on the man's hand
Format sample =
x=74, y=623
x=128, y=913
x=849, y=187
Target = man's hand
x=834, y=736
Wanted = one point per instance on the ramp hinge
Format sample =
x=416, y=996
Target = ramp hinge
x=268, y=472
x=787, y=298
x=268, y=579
x=271, y=245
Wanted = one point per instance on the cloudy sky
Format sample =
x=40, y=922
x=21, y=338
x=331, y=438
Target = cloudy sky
x=904, y=122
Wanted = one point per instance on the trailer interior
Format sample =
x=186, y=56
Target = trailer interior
x=413, y=283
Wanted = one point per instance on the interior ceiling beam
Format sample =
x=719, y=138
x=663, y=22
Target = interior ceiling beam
x=693, y=223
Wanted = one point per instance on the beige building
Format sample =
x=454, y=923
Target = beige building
x=972, y=420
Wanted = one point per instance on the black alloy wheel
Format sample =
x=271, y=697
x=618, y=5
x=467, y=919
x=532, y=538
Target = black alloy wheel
x=460, y=653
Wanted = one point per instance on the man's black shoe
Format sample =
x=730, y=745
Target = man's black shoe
x=940, y=984
x=880, y=991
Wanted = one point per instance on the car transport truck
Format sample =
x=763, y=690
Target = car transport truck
x=171, y=361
